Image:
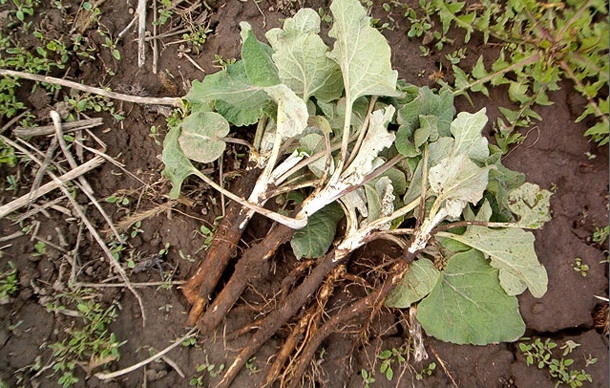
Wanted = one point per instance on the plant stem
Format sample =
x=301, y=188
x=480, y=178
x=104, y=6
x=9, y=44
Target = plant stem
x=171, y=101
x=293, y=223
x=575, y=17
x=522, y=63
x=579, y=84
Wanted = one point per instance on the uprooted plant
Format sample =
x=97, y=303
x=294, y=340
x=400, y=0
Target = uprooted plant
x=337, y=126
x=339, y=136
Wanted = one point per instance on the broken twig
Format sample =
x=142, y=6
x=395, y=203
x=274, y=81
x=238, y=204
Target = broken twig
x=171, y=101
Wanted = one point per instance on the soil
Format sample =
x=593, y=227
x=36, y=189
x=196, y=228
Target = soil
x=555, y=155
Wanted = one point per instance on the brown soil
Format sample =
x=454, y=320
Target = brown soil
x=555, y=155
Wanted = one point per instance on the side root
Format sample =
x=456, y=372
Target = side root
x=360, y=307
x=278, y=317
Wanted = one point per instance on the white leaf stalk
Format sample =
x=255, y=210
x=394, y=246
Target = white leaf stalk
x=376, y=139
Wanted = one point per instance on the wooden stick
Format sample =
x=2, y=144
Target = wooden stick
x=178, y=342
x=171, y=101
x=50, y=129
x=92, y=230
x=48, y=187
x=86, y=187
x=141, y=10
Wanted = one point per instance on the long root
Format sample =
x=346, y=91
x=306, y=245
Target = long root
x=202, y=283
x=367, y=303
x=278, y=317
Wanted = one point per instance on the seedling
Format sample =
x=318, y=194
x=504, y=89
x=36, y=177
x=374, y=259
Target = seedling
x=207, y=368
x=192, y=341
x=426, y=371
x=389, y=357
x=367, y=378
x=9, y=282
x=580, y=267
x=600, y=235
x=251, y=365
x=118, y=200
x=40, y=249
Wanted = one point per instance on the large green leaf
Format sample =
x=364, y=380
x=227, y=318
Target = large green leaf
x=201, y=137
x=419, y=280
x=511, y=251
x=466, y=129
x=361, y=51
x=291, y=111
x=531, y=204
x=301, y=60
x=457, y=180
x=315, y=238
x=376, y=139
x=232, y=94
x=256, y=56
x=468, y=305
x=177, y=166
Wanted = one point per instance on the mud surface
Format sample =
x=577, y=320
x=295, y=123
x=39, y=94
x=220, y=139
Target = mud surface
x=555, y=156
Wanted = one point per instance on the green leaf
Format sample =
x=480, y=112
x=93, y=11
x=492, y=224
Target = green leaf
x=419, y=280
x=301, y=58
x=291, y=111
x=232, y=94
x=314, y=239
x=466, y=129
x=256, y=56
x=478, y=71
x=376, y=139
x=379, y=198
x=458, y=180
x=399, y=181
x=512, y=252
x=468, y=305
x=177, y=166
x=201, y=137
x=428, y=131
x=531, y=204
x=425, y=104
x=361, y=51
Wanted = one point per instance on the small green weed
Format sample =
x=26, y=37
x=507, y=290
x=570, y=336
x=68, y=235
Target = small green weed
x=9, y=283
x=88, y=340
x=40, y=249
x=579, y=266
x=206, y=369
x=251, y=365
x=197, y=37
x=367, y=378
x=82, y=102
x=7, y=155
x=119, y=200
x=600, y=235
x=165, y=12
x=426, y=371
x=540, y=353
x=389, y=357
x=223, y=63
